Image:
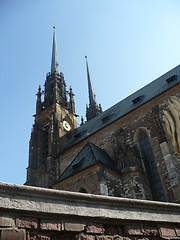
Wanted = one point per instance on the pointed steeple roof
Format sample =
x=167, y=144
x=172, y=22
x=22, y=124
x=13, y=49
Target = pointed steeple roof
x=93, y=109
x=54, y=61
x=92, y=95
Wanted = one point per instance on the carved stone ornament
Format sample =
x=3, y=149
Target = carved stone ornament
x=171, y=118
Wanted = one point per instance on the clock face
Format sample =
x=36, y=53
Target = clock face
x=66, y=126
x=46, y=125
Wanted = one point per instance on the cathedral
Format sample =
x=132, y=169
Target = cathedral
x=131, y=150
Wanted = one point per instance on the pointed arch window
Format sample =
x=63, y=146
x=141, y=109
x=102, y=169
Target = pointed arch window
x=150, y=166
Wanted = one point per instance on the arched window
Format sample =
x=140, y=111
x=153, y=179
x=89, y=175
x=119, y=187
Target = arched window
x=150, y=166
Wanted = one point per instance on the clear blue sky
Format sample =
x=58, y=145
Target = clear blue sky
x=129, y=43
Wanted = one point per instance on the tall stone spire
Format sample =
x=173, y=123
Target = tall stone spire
x=54, y=62
x=92, y=95
x=93, y=109
x=55, y=85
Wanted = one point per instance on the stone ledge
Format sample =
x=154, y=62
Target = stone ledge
x=25, y=199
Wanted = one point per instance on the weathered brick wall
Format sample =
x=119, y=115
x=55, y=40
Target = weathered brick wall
x=29, y=213
x=21, y=228
x=141, y=118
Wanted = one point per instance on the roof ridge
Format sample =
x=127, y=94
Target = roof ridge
x=102, y=151
x=92, y=144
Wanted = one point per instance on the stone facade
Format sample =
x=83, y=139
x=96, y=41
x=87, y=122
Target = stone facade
x=104, y=181
x=120, y=140
x=140, y=134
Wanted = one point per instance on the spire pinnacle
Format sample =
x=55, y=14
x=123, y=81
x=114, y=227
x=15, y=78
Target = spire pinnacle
x=93, y=109
x=92, y=95
x=54, y=61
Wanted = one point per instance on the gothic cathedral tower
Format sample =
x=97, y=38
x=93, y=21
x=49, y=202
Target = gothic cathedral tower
x=55, y=119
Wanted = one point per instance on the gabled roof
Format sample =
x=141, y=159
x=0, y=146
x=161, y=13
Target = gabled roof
x=135, y=100
x=88, y=156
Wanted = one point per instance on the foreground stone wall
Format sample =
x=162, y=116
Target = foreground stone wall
x=29, y=213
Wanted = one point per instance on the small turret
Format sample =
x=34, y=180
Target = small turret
x=72, y=103
x=62, y=87
x=82, y=121
x=38, y=102
x=100, y=108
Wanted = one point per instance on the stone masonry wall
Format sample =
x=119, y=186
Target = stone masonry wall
x=96, y=179
x=31, y=213
x=102, y=180
x=145, y=119
x=82, y=180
